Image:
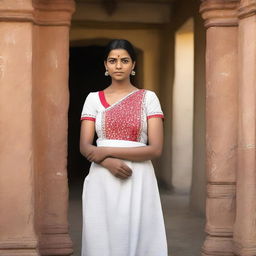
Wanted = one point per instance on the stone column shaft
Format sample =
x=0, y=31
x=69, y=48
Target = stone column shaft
x=34, y=46
x=221, y=124
x=245, y=225
x=50, y=118
x=17, y=234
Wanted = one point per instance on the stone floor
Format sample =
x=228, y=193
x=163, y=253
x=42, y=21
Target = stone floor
x=185, y=230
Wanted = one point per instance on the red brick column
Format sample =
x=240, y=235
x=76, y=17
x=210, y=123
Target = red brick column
x=17, y=234
x=245, y=224
x=221, y=124
x=50, y=112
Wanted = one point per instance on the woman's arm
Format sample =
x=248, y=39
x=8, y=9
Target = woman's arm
x=153, y=150
x=116, y=166
x=86, y=137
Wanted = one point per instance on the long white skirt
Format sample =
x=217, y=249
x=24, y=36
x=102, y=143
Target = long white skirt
x=122, y=217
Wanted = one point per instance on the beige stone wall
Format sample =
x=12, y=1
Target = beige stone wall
x=182, y=11
x=182, y=114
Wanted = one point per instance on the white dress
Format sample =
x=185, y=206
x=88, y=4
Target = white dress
x=122, y=217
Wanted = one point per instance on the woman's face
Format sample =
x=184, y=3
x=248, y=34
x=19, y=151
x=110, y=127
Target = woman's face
x=119, y=64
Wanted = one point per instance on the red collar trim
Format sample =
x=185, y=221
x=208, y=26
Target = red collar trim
x=103, y=99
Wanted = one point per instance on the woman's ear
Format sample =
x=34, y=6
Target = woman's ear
x=133, y=65
x=105, y=64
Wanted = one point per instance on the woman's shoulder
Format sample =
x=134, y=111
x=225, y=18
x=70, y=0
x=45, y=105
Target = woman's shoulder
x=92, y=97
x=150, y=94
x=93, y=94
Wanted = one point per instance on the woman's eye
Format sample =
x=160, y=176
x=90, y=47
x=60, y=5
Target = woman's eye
x=113, y=61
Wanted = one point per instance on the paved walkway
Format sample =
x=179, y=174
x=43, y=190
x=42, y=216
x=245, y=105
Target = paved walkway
x=185, y=230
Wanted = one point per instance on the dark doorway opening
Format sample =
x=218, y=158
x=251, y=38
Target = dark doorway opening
x=86, y=74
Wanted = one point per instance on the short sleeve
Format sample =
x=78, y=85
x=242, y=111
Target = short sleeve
x=89, y=109
x=153, y=107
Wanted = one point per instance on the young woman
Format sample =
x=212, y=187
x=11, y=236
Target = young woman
x=122, y=212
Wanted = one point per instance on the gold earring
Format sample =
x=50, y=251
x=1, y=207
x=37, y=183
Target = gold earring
x=106, y=73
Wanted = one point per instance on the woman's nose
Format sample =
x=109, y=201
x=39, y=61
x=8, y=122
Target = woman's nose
x=118, y=64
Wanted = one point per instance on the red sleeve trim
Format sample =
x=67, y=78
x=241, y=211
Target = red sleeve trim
x=159, y=115
x=103, y=99
x=88, y=118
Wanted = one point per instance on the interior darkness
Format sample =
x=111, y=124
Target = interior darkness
x=86, y=74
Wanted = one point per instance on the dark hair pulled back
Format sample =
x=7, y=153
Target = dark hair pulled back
x=120, y=44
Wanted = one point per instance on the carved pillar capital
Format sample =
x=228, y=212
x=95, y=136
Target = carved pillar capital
x=11, y=11
x=219, y=13
x=53, y=12
x=246, y=8
x=40, y=12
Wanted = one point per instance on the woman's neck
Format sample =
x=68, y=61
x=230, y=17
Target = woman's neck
x=121, y=86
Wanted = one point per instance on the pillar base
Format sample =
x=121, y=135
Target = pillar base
x=217, y=246
x=55, y=244
x=19, y=247
x=19, y=252
x=240, y=250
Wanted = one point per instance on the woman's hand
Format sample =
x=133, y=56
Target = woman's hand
x=117, y=167
x=96, y=154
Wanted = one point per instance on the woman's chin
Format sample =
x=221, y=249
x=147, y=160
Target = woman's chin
x=119, y=78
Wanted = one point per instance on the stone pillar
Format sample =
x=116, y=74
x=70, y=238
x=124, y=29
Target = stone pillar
x=221, y=124
x=17, y=234
x=50, y=119
x=245, y=224
x=34, y=46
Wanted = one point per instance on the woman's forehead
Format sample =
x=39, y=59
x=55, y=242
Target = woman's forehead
x=118, y=53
